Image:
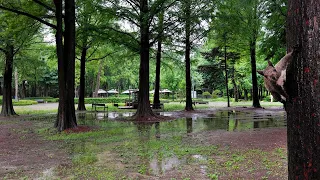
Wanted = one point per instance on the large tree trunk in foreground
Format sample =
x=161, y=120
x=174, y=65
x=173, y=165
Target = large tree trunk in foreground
x=7, y=107
x=255, y=96
x=81, y=104
x=187, y=57
x=156, y=98
x=303, y=88
x=66, y=70
x=144, y=111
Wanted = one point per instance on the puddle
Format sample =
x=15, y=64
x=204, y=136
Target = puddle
x=141, y=135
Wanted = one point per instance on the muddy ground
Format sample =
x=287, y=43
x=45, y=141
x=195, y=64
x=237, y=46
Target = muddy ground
x=23, y=153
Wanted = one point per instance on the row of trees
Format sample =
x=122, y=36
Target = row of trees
x=168, y=28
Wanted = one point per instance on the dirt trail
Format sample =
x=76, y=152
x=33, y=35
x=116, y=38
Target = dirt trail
x=23, y=153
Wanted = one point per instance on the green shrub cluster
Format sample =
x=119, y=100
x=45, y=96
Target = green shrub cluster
x=216, y=93
x=45, y=99
x=103, y=100
x=206, y=94
x=24, y=102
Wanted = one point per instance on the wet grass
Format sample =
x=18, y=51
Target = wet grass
x=141, y=151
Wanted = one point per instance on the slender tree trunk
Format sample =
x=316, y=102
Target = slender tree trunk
x=187, y=56
x=24, y=91
x=16, y=84
x=156, y=98
x=7, y=106
x=96, y=89
x=255, y=96
x=66, y=65
x=81, y=104
x=245, y=94
x=302, y=86
x=226, y=71
x=235, y=89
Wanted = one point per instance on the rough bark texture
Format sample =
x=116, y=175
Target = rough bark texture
x=255, y=96
x=187, y=57
x=302, y=85
x=7, y=107
x=16, y=85
x=226, y=71
x=66, y=65
x=97, y=87
x=81, y=105
x=144, y=111
x=156, y=98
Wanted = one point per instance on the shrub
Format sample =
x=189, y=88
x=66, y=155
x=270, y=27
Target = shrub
x=103, y=100
x=206, y=94
x=24, y=102
x=216, y=93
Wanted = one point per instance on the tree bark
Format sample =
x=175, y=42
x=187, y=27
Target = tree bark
x=96, y=89
x=144, y=111
x=156, y=98
x=226, y=71
x=187, y=56
x=16, y=89
x=302, y=87
x=255, y=96
x=81, y=104
x=66, y=70
x=7, y=106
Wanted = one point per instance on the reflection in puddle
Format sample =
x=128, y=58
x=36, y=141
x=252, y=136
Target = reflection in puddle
x=144, y=133
x=160, y=167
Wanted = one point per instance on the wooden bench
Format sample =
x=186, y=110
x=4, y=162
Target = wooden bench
x=99, y=104
x=39, y=100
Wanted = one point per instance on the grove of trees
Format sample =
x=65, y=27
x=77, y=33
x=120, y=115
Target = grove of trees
x=142, y=44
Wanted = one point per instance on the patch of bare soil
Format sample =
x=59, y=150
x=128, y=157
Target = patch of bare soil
x=23, y=153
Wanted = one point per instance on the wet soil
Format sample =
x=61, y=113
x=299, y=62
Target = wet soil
x=24, y=153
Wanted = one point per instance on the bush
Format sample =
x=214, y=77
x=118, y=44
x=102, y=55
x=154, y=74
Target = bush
x=267, y=99
x=103, y=100
x=206, y=94
x=216, y=93
x=45, y=99
x=24, y=102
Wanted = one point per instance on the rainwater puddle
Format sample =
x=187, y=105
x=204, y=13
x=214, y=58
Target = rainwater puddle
x=158, y=146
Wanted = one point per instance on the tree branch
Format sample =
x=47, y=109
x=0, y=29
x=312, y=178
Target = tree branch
x=30, y=16
x=44, y=5
x=108, y=54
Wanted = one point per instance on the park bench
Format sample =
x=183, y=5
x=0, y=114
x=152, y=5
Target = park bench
x=39, y=100
x=94, y=105
x=201, y=102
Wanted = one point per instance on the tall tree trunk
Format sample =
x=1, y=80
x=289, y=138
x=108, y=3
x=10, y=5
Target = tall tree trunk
x=7, y=106
x=235, y=89
x=245, y=94
x=144, y=110
x=81, y=104
x=226, y=71
x=302, y=86
x=16, y=85
x=24, y=90
x=96, y=89
x=187, y=56
x=255, y=96
x=156, y=98
x=66, y=62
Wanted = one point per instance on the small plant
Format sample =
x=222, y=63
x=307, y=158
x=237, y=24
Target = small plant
x=142, y=169
x=213, y=176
